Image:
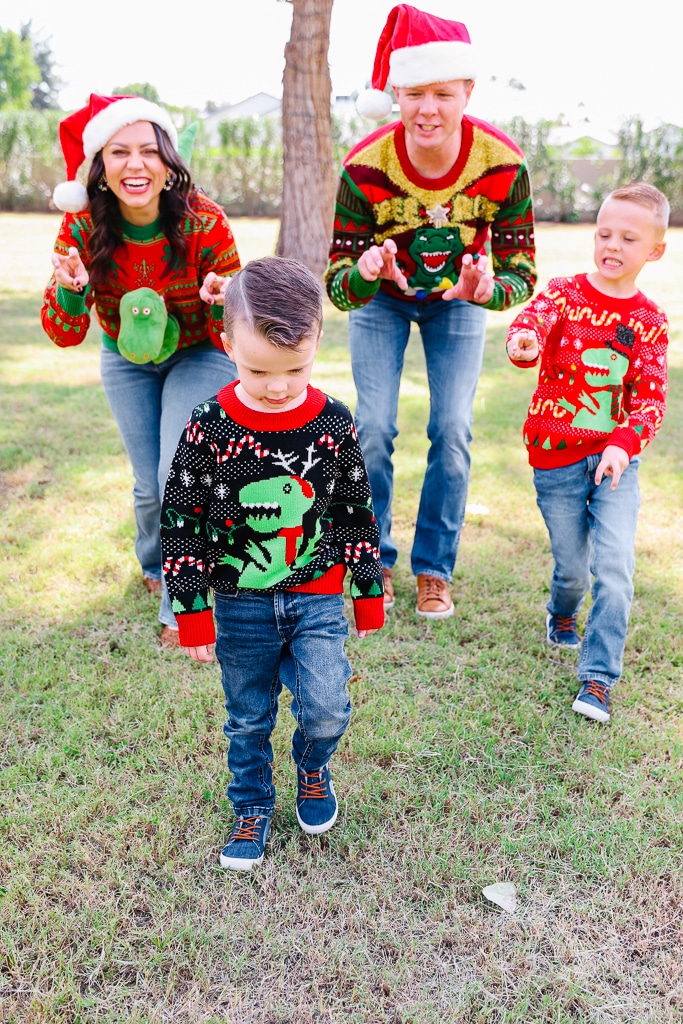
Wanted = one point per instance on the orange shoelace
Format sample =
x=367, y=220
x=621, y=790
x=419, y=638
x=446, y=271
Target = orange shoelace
x=597, y=690
x=313, y=786
x=247, y=830
x=565, y=623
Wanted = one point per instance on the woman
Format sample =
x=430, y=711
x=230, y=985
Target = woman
x=140, y=224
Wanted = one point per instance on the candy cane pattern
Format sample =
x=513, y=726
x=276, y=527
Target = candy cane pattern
x=364, y=545
x=195, y=434
x=330, y=442
x=190, y=559
x=234, y=448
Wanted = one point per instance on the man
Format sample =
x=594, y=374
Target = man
x=420, y=203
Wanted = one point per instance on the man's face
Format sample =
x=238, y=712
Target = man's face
x=432, y=114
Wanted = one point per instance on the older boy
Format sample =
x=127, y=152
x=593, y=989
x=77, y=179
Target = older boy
x=268, y=503
x=600, y=400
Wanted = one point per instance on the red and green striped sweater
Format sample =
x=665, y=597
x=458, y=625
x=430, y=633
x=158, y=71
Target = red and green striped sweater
x=483, y=202
x=603, y=372
x=140, y=263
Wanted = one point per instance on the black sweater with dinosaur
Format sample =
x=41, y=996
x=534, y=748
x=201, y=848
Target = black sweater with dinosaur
x=268, y=501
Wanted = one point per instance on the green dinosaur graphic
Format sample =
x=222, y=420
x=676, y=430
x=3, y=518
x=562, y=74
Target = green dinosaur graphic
x=434, y=251
x=600, y=410
x=275, y=543
x=147, y=333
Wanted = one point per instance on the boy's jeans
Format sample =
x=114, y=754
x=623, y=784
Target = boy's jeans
x=453, y=341
x=265, y=641
x=592, y=534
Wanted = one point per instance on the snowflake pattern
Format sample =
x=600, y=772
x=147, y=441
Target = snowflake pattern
x=356, y=474
x=186, y=478
x=207, y=480
x=222, y=491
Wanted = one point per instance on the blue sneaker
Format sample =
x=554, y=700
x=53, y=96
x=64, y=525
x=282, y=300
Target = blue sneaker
x=316, y=803
x=246, y=844
x=560, y=631
x=592, y=701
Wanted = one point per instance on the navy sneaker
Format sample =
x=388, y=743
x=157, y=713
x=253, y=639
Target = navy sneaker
x=560, y=631
x=316, y=803
x=246, y=844
x=592, y=701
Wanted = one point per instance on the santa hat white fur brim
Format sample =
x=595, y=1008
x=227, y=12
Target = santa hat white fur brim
x=102, y=126
x=70, y=197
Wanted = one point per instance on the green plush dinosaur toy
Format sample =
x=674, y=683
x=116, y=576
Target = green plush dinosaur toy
x=147, y=333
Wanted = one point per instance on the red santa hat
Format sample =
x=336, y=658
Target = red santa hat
x=84, y=133
x=416, y=48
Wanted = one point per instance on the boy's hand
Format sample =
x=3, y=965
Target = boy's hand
x=203, y=653
x=523, y=346
x=69, y=270
x=360, y=633
x=380, y=261
x=213, y=289
x=475, y=284
x=613, y=463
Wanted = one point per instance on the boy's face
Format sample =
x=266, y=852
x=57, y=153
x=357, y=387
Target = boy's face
x=271, y=377
x=626, y=238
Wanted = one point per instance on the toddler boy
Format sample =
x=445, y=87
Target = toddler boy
x=267, y=504
x=600, y=399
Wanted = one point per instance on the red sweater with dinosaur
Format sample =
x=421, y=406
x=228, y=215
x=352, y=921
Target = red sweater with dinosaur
x=603, y=372
x=142, y=262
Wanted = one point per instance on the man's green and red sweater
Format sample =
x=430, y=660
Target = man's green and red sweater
x=265, y=502
x=144, y=261
x=603, y=372
x=484, y=202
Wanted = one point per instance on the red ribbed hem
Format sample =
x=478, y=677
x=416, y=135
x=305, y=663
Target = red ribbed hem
x=331, y=583
x=369, y=612
x=196, y=629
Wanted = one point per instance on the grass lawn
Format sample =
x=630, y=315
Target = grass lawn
x=463, y=764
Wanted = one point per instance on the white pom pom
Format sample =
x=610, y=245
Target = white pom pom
x=71, y=197
x=374, y=104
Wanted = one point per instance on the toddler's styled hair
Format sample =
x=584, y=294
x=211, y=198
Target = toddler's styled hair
x=645, y=195
x=277, y=298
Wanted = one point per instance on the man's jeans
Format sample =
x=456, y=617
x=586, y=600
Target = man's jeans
x=453, y=340
x=592, y=534
x=151, y=405
x=265, y=641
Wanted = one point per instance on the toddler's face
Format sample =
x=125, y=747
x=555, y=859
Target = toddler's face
x=272, y=379
x=626, y=239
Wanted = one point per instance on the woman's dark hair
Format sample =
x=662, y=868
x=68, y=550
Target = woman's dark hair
x=174, y=208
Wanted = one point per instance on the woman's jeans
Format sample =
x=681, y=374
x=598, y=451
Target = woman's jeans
x=453, y=339
x=265, y=641
x=151, y=405
x=592, y=534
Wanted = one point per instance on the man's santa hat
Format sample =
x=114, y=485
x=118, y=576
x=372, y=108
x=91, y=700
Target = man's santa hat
x=416, y=48
x=84, y=133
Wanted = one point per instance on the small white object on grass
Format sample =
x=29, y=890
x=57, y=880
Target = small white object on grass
x=503, y=894
x=477, y=510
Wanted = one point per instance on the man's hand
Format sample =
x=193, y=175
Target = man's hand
x=613, y=463
x=69, y=270
x=213, y=289
x=523, y=346
x=380, y=261
x=475, y=284
x=203, y=653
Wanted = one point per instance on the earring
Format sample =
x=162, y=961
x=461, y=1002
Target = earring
x=102, y=184
x=170, y=182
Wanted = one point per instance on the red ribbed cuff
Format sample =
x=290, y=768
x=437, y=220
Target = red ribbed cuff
x=626, y=438
x=196, y=629
x=369, y=612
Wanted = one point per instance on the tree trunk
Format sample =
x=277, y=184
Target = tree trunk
x=308, y=186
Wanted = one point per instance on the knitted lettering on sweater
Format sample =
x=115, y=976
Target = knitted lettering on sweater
x=268, y=501
x=485, y=199
x=603, y=372
x=142, y=262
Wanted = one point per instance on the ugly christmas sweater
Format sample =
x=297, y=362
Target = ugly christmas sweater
x=268, y=501
x=602, y=376
x=484, y=200
x=143, y=262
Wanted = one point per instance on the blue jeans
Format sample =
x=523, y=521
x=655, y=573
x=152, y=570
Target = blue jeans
x=151, y=405
x=453, y=339
x=265, y=641
x=592, y=535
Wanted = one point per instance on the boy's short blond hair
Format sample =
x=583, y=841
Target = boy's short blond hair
x=645, y=195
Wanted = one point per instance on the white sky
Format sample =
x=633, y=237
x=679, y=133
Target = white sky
x=616, y=57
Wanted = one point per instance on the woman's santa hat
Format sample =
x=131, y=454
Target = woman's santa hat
x=416, y=48
x=84, y=133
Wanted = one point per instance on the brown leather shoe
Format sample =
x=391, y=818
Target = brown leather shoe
x=151, y=586
x=433, y=597
x=389, y=600
x=169, y=638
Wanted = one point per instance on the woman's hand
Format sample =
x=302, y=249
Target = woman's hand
x=213, y=289
x=69, y=271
